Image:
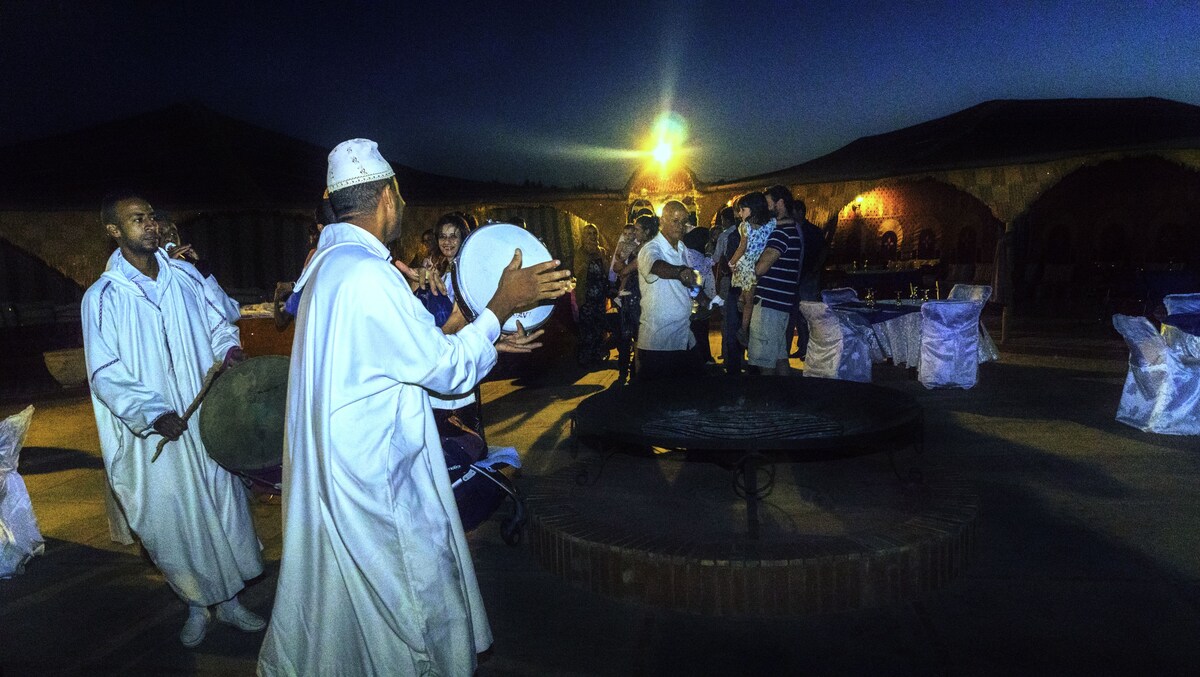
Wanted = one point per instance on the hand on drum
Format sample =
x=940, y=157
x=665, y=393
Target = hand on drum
x=519, y=342
x=233, y=357
x=524, y=287
x=170, y=426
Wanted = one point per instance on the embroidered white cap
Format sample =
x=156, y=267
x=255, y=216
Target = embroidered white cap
x=356, y=161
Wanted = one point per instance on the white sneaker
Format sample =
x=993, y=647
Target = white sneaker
x=233, y=613
x=196, y=627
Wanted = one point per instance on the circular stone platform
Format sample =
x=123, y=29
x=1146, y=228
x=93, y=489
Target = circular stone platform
x=836, y=535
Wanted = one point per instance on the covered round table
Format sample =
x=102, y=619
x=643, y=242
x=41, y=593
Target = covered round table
x=896, y=327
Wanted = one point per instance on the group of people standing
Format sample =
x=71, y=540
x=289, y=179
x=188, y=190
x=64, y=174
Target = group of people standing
x=375, y=577
x=758, y=261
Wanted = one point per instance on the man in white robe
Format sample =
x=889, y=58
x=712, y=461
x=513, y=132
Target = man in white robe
x=376, y=577
x=150, y=335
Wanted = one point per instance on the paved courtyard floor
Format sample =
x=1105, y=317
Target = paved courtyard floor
x=1086, y=563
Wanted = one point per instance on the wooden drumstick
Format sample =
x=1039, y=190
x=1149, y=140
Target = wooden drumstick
x=211, y=376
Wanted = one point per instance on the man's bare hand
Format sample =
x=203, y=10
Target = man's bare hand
x=184, y=252
x=170, y=426
x=519, y=342
x=524, y=287
x=409, y=274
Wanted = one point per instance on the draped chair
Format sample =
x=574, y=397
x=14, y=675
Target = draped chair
x=977, y=292
x=839, y=295
x=19, y=536
x=949, y=344
x=1181, y=304
x=838, y=344
x=1162, y=389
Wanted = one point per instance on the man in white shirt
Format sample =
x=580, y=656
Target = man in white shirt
x=376, y=577
x=666, y=280
x=150, y=336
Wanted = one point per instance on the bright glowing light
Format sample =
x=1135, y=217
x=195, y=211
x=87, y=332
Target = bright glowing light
x=668, y=135
x=663, y=152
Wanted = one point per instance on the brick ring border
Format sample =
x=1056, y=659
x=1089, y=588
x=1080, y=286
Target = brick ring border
x=900, y=563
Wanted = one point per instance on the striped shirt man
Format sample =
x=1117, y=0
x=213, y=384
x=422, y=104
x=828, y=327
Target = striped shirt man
x=777, y=288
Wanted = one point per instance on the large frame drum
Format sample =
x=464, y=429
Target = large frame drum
x=243, y=417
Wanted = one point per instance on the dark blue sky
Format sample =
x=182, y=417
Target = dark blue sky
x=552, y=91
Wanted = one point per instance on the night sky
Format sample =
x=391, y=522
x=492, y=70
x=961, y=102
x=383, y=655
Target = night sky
x=561, y=92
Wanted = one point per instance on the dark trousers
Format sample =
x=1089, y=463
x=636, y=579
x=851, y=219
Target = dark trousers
x=702, y=348
x=731, y=320
x=658, y=364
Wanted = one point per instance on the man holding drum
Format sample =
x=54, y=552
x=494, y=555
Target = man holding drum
x=150, y=334
x=376, y=577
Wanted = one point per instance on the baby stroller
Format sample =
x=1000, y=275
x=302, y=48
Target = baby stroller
x=477, y=475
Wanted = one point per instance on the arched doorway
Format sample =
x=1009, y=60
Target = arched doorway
x=1113, y=237
x=955, y=235
x=888, y=246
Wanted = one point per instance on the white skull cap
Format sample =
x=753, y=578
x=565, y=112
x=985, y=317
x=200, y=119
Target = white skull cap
x=356, y=161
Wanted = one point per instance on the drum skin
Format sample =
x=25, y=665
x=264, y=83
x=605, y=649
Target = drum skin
x=481, y=260
x=242, y=419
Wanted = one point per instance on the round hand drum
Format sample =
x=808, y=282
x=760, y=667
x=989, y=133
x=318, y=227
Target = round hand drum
x=242, y=420
x=481, y=259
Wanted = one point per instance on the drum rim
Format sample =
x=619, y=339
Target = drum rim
x=467, y=312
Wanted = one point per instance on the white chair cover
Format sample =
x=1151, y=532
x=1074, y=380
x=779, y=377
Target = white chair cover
x=977, y=292
x=1162, y=392
x=1178, y=304
x=949, y=344
x=839, y=295
x=838, y=344
x=969, y=292
x=20, y=539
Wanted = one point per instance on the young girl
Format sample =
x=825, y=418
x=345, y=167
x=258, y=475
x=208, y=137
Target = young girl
x=626, y=245
x=757, y=224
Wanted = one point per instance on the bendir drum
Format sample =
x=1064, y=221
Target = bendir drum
x=483, y=256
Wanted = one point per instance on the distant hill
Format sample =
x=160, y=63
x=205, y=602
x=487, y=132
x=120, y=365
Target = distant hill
x=189, y=156
x=1006, y=132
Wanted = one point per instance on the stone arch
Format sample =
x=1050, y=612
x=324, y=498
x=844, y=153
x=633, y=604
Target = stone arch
x=909, y=207
x=1101, y=230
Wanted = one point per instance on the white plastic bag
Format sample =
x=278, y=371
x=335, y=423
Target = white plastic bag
x=20, y=539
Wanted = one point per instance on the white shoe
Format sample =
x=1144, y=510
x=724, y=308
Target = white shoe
x=233, y=613
x=196, y=627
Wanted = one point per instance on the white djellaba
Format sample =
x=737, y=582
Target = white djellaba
x=376, y=577
x=147, y=355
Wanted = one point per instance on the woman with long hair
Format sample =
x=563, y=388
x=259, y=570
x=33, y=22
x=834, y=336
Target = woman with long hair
x=591, y=296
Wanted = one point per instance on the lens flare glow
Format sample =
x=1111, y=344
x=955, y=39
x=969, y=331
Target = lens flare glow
x=663, y=152
x=668, y=135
